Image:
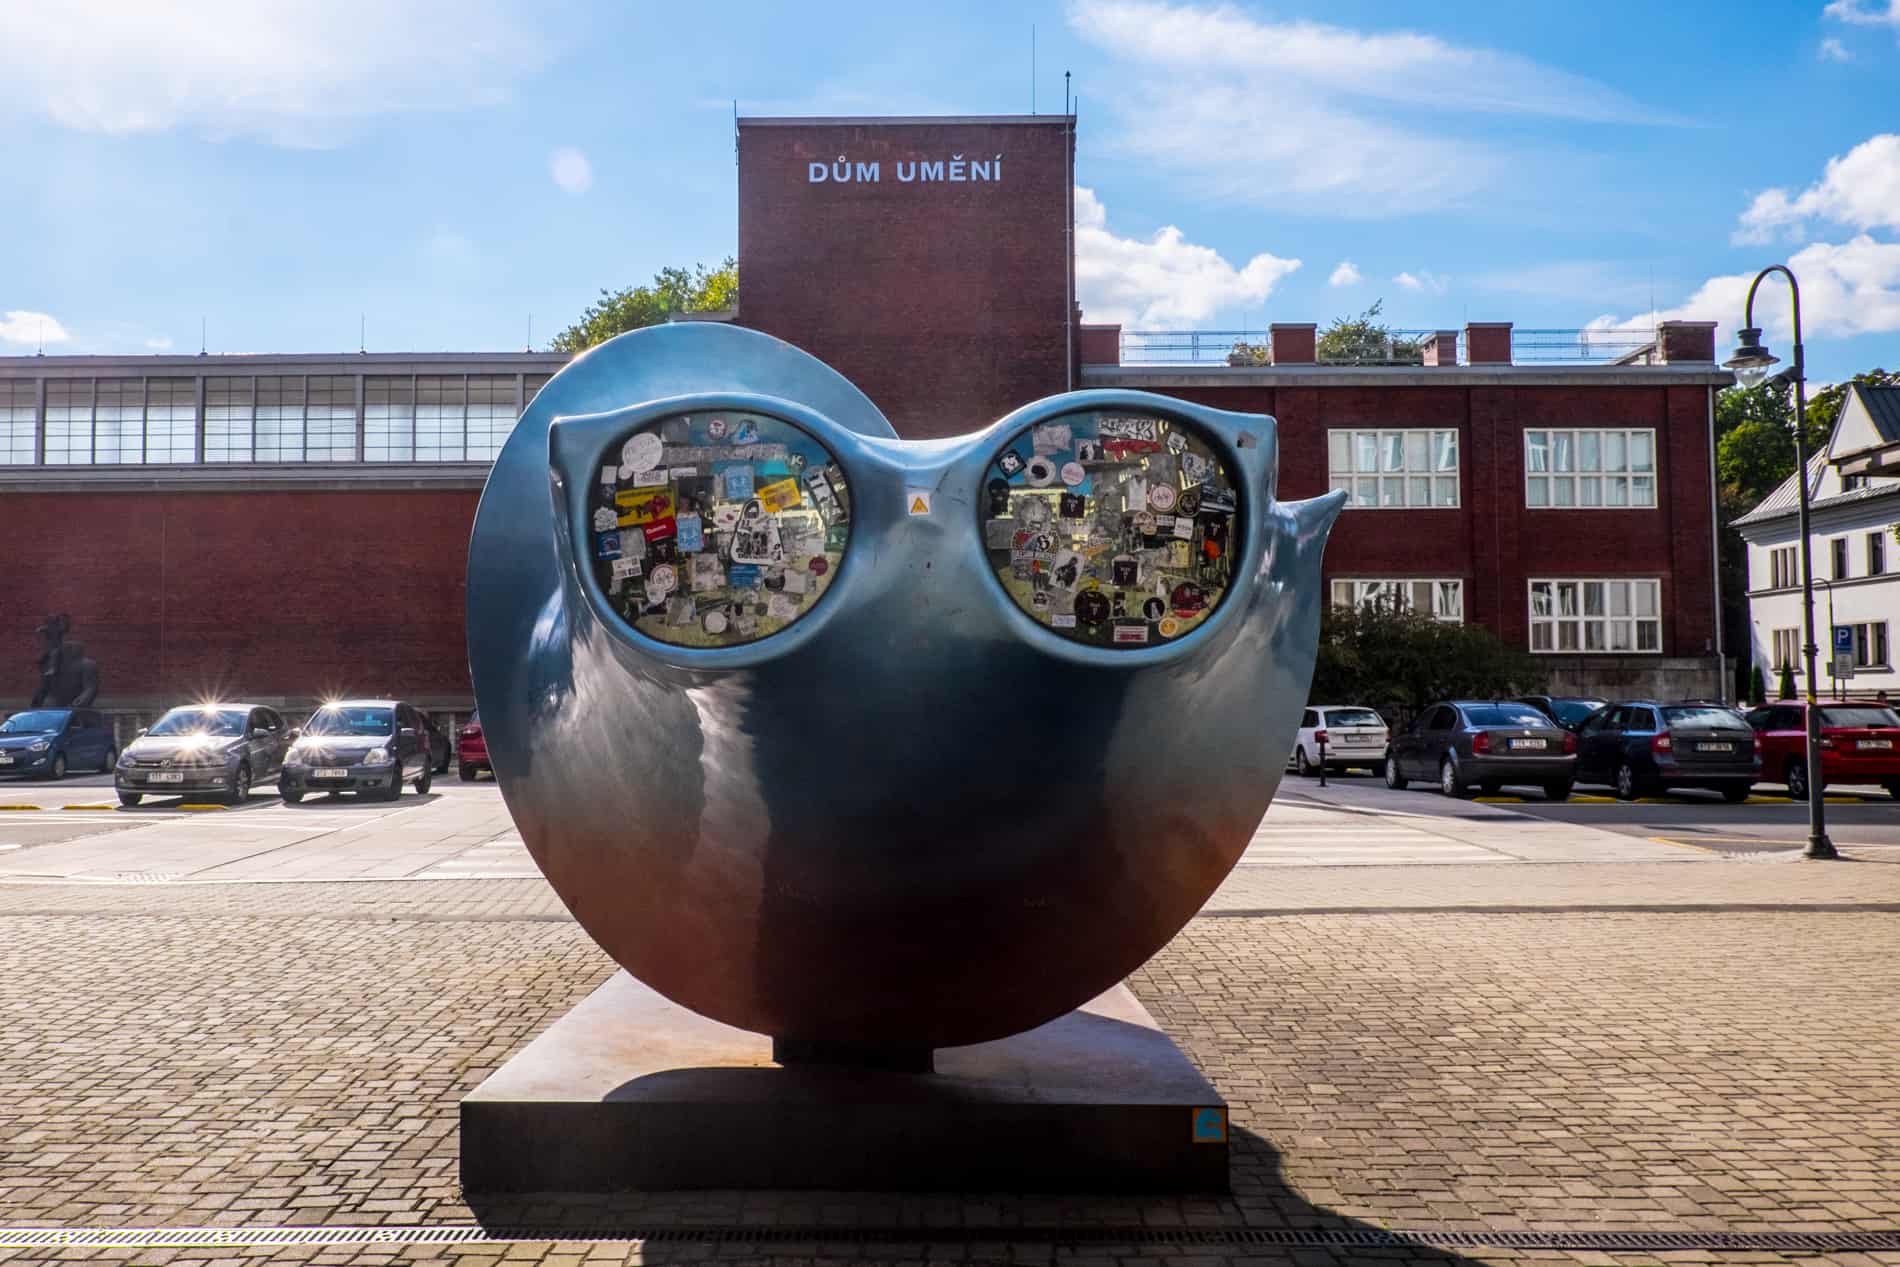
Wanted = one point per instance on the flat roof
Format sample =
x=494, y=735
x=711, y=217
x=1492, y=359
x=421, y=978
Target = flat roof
x=1138, y=376
x=895, y=121
x=250, y=362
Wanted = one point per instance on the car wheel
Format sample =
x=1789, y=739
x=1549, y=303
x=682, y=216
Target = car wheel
x=240, y=785
x=112, y=759
x=1557, y=791
x=1300, y=763
x=467, y=773
x=1448, y=781
x=59, y=767
x=1797, y=778
x=424, y=780
x=1626, y=786
x=290, y=794
x=394, y=791
x=1393, y=779
x=129, y=799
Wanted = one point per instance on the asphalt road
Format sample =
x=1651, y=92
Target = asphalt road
x=1767, y=822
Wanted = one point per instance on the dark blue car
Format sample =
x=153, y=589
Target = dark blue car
x=1644, y=746
x=46, y=742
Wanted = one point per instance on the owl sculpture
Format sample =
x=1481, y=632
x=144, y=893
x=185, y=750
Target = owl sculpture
x=868, y=743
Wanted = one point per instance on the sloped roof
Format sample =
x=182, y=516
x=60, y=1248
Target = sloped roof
x=1783, y=501
x=1883, y=406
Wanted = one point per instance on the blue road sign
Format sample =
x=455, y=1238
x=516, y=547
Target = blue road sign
x=1843, y=639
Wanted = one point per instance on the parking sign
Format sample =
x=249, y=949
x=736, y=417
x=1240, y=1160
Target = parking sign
x=1843, y=639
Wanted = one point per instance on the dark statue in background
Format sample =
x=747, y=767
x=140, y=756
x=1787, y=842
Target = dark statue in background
x=69, y=678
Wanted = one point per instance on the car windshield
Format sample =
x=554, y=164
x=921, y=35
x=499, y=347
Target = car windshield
x=1703, y=715
x=219, y=722
x=1870, y=716
x=40, y=721
x=1572, y=712
x=1352, y=717
x=1505, y=715
x=351, y=720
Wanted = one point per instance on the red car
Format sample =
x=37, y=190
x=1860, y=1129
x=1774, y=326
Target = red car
x=1860, y=743
x=471, y=750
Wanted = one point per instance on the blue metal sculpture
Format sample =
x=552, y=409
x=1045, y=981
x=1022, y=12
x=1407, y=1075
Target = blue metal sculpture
x=910, y=810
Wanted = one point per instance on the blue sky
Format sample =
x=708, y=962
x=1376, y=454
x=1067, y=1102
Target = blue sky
x=446, y=169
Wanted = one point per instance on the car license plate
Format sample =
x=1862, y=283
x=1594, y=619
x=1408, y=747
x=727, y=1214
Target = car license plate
x=330, y=772
x=168, y=776
x=1527, y=743
x=1714, y=747
x=1876, y=743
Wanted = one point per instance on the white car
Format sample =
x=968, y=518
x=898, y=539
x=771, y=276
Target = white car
x=1355, y=736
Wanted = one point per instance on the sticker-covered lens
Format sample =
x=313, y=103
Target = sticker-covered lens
x=715, y=529
x=1111, y=527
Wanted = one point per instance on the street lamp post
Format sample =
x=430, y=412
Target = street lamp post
x=1750, y=363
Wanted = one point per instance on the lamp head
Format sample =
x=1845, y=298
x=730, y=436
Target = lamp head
x=1751, y=360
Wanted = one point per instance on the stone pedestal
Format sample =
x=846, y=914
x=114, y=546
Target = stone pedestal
x=629, y=1090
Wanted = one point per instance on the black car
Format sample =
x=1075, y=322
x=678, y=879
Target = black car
x=369, y=746
x=1460, y=744
x=440, y=748
x=1645, y=746
x=1568, y=711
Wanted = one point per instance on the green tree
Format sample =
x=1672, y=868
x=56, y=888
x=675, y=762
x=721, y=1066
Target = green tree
x=673, y=290
x=1757, y=686
x=1400, y=661
x=1365, y=340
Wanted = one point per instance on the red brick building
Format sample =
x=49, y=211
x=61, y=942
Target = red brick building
x=279, y=527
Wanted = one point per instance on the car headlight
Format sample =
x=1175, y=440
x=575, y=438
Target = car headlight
x=376, y=756
x=39, y=745
x=126, y=758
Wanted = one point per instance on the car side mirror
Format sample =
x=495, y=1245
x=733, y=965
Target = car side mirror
x=140, y=732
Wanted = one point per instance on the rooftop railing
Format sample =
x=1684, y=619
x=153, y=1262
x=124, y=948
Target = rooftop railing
x=1582, y=346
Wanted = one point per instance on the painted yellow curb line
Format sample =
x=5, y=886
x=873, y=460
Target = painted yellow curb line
x=94, y=805
x=202, y=807
x=5, y=807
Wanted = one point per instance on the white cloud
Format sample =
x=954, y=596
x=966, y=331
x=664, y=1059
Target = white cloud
x=1860, y=189
x=158, y=343
x=31, y=328
x=1277, y=112
x=294, y=72
x=1832, y=50
x=1347, y=274
x=1163, y=282
x=1847, y=289
x=1858, y=13
x=1422, y=280
x=571, y=170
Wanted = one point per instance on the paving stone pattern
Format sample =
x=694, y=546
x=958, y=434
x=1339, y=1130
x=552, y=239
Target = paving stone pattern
x=294, y=1055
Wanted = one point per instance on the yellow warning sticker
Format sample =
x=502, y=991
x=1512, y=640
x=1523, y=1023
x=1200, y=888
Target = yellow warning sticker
x=918, y=500
x=643, y=506
x=780, y=496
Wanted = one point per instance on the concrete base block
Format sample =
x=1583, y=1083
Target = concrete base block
x=630, y=1090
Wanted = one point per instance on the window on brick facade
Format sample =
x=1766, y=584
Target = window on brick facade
x=68, y=421
x=171, y=420
x=280, y=419
x=1441, y=599
x=1592, y=615
x=19, y=420
x=118, y=422
x=1390, y=470
x=228, y=405
x=389, y=418
x=491, y=413
x=1590, y=468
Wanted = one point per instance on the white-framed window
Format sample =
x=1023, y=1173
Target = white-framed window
x=19, y=419
x=1876, y=554
x=171, y=420
x=1870, y=645
x=1392, y=469
x=1443, y=599
x=1590, y=468
x=1784, y=568
x=1787, y=649
x=1611, y=614
x=228, y=405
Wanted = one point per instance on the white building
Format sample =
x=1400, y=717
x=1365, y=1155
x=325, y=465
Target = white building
x=1854, y=518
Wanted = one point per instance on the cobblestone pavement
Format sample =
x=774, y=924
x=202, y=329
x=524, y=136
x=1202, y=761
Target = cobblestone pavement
x=1633, y=1045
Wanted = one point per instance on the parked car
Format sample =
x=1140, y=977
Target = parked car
x=439, y=746
x=363, y=745
x=471, y=749
x=1860, y=743
x=1644, y=746
x=218, y=748
x=46, y=742
x=1353, y=735
x=1484, y=743
x=1568, y=711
